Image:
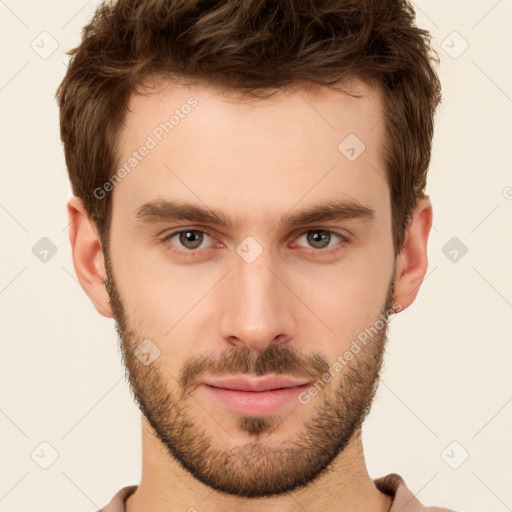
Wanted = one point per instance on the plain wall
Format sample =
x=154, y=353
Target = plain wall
x=447, y=370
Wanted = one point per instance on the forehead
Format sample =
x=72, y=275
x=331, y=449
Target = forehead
x=355, y=106
x=211, y=147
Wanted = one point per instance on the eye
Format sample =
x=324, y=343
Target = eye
x=321, y=238
x=189, y=239
x=193, y=241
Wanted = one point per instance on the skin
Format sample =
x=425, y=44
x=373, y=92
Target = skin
x=291, y=311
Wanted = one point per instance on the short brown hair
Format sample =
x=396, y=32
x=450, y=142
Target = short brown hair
x=255, y=48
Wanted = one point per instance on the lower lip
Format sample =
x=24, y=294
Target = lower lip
x=255, y=403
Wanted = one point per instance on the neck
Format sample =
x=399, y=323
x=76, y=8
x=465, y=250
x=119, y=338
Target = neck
x=166, y=487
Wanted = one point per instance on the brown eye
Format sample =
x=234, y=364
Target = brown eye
x=320, y=238
x=189, y=239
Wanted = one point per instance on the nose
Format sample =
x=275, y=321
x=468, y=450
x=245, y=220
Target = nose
x=258, y=308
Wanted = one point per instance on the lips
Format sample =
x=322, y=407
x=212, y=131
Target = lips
x=266, y=383
x=260, y=396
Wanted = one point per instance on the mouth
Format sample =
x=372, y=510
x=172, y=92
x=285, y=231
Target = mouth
x=267, y=383
x=255, y=396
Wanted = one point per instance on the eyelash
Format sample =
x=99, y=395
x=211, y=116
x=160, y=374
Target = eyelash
x=199, y=252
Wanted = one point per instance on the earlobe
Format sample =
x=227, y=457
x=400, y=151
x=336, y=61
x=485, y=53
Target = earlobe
x=412, y=262
x=88, y=256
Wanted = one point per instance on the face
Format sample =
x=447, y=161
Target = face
x=246, y=242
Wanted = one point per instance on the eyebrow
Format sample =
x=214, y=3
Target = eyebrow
x=334, y=209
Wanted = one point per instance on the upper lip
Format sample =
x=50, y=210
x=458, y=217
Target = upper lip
x=256, y=384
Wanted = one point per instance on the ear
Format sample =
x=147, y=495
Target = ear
x=412, y=262
x=88, y=256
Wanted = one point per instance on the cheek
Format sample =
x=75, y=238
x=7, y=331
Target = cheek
x=161, y=298
x=346, y=298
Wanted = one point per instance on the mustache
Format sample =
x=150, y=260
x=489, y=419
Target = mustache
x=275, y=359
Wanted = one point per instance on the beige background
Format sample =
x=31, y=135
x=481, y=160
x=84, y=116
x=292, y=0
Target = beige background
x=447, y=372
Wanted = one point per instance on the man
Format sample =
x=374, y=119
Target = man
x=249, y=206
